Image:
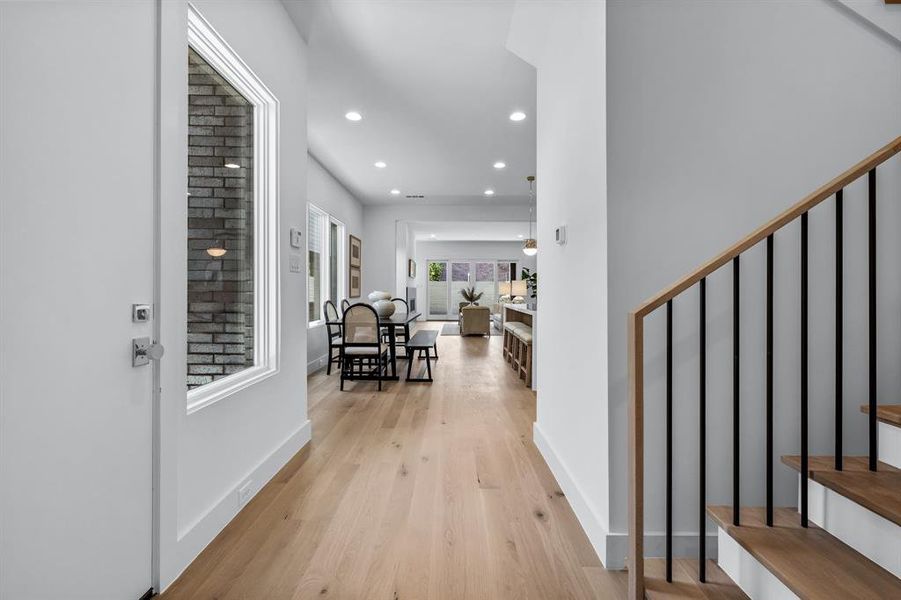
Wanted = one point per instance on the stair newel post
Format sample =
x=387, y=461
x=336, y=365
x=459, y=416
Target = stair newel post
x=736, y=409
x=872, y=317
x=669, y=441
x=635, y=328
x=804, y=370
x=769, y=380
x=702, y=434
x=839, y=326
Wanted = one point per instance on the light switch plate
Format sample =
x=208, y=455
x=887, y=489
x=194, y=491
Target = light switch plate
x=294, y=263
x=296, y=238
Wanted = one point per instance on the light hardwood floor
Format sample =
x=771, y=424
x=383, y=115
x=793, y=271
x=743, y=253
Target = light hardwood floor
x=421, y=491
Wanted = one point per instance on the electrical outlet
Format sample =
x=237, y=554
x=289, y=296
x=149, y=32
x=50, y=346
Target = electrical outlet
x=322, y=361
x=245, y=493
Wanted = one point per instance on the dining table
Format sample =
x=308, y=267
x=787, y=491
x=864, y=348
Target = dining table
x=391, y=324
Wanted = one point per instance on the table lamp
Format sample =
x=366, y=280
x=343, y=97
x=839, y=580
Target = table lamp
x=504, y=290
x=518, y=289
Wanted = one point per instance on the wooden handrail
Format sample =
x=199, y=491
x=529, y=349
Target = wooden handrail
x=635, y=340
x=783, y=219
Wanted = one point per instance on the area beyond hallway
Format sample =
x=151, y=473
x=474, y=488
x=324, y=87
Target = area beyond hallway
x=419, y=491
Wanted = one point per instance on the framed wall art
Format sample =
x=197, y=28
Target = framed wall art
x=356, y=252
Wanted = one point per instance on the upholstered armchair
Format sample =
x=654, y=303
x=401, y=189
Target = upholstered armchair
x=475, y=320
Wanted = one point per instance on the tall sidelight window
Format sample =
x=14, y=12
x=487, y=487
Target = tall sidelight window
x=232, y=212
x=337, y=273
x=326, y=269
x=220, y=226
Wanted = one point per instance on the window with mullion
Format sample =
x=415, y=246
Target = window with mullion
x=325, y=257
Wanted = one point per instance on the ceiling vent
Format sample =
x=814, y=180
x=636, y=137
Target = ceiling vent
x=415, y=196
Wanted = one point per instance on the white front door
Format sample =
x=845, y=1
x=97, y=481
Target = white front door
x=76, y=251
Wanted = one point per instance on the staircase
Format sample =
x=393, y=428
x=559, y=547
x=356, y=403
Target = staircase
x=843, y=539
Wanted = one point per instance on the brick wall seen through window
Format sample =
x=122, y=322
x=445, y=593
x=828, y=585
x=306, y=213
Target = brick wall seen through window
x=220, y=226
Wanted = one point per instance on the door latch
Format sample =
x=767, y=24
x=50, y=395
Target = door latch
x=143, y=351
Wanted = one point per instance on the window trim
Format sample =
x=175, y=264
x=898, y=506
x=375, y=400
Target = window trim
x=204, y=39
x=326, y=255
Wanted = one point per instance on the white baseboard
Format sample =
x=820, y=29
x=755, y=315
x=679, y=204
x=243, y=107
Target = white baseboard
x=612, y=548
x=685, y=545
x=591, y=523
x=201, y=532
x=317, y=364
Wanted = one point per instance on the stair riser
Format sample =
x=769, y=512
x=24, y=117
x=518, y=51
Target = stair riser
x=890, y=444
x=873, y=536
x=753, y=578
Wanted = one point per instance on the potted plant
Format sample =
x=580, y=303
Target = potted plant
x=531, y=281
x=471, y=295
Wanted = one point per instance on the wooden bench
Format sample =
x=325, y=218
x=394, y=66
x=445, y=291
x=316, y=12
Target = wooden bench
x=425, y=342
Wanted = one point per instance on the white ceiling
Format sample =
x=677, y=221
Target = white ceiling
x=472, y=231
x=435, y=85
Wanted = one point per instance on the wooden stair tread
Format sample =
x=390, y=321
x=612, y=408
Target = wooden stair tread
x=879, y=492
x=887, y=413
x=685, y=582
x=827, y=463
x=810, y=562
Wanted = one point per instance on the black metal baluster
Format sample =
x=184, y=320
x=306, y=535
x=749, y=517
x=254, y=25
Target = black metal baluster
x=839, y=321
x=702, y=426
x=736, y=413
x=769, y=380
x=872, y=351
x=669, y=441
x=804, y=371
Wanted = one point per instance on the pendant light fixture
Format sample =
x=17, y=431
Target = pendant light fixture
x=530, y=245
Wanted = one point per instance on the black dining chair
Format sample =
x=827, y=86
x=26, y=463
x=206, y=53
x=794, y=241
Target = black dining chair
x=344, y=305
x=362, y=346
x=333, y=330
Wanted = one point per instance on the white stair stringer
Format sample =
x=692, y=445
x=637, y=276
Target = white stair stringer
x=889, y=444
x=754, y=579
x=874, y=536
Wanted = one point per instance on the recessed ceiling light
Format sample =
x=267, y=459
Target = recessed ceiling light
x=380, y=164
x=353, y=116
x=489, y=192
x=517, y=115
x=395, y=192
x=231, y=166
x=500, y=164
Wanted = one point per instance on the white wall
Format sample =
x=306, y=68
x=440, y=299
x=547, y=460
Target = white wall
x=208, y=454
x=387, y=243
x=330, y=195
x=721, y=115
x=565, y=41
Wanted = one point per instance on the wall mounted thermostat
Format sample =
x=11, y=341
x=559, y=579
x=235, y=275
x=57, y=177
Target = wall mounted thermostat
x=295, y=238
x=141, y=313
x=560, y=235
